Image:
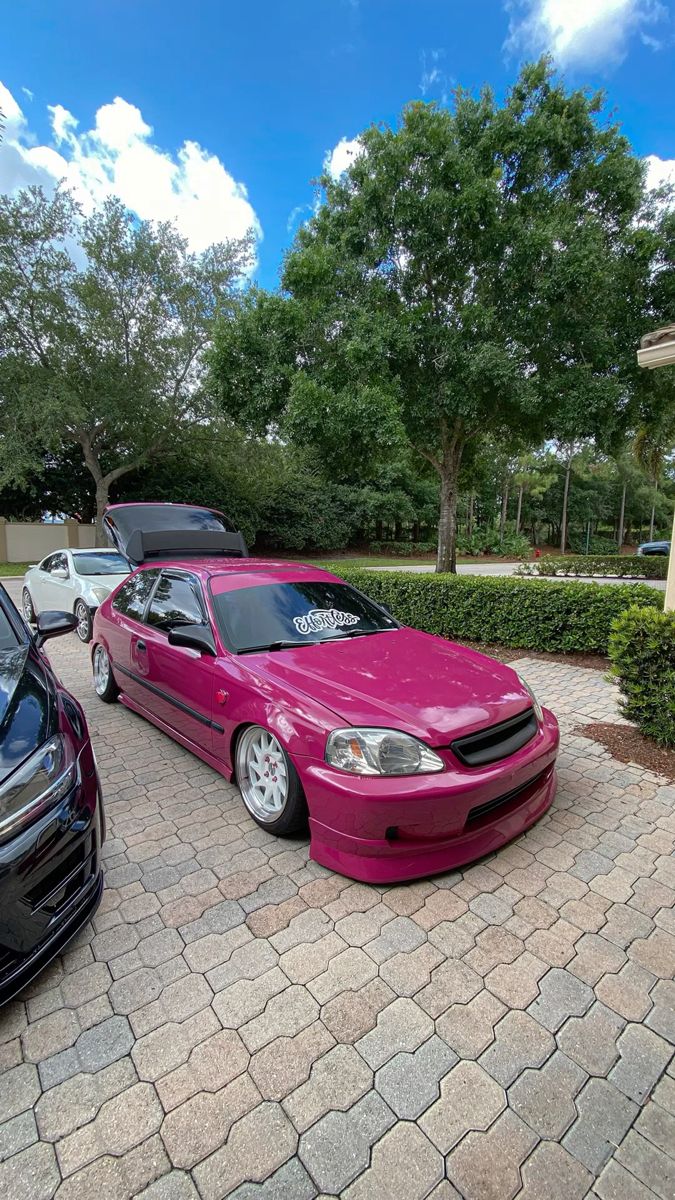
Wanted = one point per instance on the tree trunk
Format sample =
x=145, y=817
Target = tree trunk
x=102, y=495
x=505, y=509
x=566, y=492
x=622, y=514
x=652, y=520
x=520, y=508
x=469, y=519
x=448, y=470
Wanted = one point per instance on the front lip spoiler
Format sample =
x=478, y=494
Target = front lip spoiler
x=31, y=965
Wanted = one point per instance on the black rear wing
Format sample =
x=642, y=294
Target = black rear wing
x=146, y=544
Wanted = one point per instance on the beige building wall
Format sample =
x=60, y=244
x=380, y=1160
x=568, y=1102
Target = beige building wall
x=30, y=542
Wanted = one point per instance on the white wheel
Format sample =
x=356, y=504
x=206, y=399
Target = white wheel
x=262, y=773
x=84, y=624
x=104, y=680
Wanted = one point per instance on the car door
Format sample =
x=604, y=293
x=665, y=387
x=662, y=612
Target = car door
x=126, y=628
x=40, y=583
x=180, y=680
x=61, y=582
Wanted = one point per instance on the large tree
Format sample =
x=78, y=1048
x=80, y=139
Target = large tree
x=460, y=278
x=104, y=321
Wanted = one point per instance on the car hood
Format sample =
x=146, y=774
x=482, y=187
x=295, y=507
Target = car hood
x=109, y=582
x=27, y=708
x=402, y=679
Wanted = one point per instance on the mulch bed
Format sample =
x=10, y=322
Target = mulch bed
x=506, y=654
x=627, y=744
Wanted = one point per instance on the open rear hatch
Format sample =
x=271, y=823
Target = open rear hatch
x=152, y=532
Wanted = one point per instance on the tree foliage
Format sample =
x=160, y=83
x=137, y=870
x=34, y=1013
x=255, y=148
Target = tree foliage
x=466, y=275
x=103, y=324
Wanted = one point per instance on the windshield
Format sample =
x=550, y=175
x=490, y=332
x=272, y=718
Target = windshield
x=104, y=563
x=297, y=613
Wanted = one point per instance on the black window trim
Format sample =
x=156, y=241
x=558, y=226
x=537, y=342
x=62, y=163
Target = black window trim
x=194, y=582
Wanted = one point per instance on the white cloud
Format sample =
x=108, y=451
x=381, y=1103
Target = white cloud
x=342, y=156
x=581, y=31
x=117, y=157
x=660, y=171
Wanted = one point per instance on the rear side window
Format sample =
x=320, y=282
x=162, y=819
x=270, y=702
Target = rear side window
x=175, y=602
x=133, y=595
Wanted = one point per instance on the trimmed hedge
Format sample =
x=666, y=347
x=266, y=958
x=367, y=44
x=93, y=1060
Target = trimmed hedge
x=530, y=614
x=642, y=650
x=632, y=566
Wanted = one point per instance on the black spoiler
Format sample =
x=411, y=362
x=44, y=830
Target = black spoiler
x=152, y=532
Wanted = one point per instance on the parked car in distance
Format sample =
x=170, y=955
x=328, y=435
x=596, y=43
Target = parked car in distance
x=75, y=581
x=654, y=548
x=408, y=754
x=51, y=815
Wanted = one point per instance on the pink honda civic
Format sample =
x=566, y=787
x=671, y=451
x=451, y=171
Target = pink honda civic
x=407, y=754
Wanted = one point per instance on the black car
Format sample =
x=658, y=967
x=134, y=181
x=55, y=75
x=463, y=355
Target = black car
x=51, y=815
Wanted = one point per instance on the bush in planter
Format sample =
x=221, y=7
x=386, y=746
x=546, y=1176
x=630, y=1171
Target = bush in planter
x=633, y=566
x=642, y=650
x=533, y=614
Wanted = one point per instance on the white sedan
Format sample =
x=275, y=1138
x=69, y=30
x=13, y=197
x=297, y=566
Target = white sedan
x=73, y=581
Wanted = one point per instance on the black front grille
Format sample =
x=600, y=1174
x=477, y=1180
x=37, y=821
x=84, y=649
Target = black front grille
x=497, y=741
x=482, y=810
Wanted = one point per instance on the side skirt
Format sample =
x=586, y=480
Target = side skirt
x=217, y=763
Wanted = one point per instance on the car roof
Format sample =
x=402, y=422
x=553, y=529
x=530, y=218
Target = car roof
x=236, y=567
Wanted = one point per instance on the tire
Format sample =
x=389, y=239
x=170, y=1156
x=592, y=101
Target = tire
x=27, y=608
x=85, y=625
x=104, y=681
x=279, y=806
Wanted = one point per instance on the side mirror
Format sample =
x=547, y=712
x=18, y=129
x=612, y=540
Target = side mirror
x=59, y=573
x=195, y=637
x=53, y=624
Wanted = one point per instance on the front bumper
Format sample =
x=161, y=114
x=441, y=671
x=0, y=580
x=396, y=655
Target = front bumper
x=50, y=881
x=389, y=830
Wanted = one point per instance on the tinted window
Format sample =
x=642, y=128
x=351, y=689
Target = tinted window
x=297, y=612
x=133, y=595
x=100, y=564
x=47, y=562
x=8, y=638
x=174, y=603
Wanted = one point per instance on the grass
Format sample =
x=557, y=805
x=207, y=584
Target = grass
x=13, y=568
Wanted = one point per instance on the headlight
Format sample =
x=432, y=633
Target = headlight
x=380, y=752
x=39, y=783
x=101, y=593
x=535, y=703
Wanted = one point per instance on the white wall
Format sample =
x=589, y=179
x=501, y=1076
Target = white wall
x=30, y=542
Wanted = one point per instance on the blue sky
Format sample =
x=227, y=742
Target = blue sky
x=219, y=114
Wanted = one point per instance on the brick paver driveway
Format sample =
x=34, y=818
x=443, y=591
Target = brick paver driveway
x=238, y=1021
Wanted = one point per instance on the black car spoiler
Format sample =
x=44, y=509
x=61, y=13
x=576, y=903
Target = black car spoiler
x=145, y=544
x=152, y=532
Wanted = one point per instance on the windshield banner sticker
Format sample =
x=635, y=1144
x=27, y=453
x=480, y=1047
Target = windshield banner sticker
x=323, y=618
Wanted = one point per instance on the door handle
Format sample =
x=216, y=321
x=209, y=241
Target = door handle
x=140, y=645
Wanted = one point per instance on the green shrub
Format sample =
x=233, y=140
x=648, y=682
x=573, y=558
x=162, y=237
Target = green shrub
x=633, y=566
x=642, y=650
x=402, y=549
x=487, y=541
x=533, y=614
x=596, y=544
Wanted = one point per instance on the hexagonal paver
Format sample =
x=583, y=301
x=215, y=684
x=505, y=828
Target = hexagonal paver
x=337, y=1149
x=470, y=1100
x=410, y=1082
x=404, y=1166
x=488, y=1164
